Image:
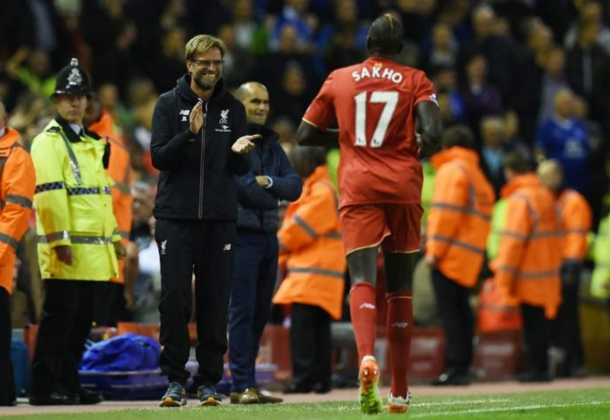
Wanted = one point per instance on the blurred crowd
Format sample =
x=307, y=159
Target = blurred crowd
x=523, y=75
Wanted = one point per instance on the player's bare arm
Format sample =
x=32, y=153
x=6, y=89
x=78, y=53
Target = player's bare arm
x=310, y=135
x=430, y=127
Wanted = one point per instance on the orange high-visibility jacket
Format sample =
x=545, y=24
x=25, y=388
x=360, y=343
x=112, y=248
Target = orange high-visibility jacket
x=527, y=268
x=119, y=168
x=575, y=218
x=460, y=216
x=312, y=249
x=17, y=185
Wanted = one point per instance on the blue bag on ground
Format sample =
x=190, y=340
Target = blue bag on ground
x=126, y=352
x=21, y=366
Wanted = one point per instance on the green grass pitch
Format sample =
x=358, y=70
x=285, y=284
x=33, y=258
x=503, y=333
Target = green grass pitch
x=550, y=405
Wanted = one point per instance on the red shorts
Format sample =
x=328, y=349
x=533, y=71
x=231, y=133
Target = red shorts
x=396, y=227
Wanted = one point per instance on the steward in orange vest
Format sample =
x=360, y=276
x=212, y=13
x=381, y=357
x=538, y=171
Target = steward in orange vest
x=17, y=184
x=527, y=268
x=312, y=252
x=101, y=122
x=458, y=226
x=575, y=219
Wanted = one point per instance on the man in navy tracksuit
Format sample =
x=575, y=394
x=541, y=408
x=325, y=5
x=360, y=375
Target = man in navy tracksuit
x=271, y=178
x=199, y=142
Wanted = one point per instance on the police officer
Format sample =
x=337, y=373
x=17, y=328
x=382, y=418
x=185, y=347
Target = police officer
x=78, y=240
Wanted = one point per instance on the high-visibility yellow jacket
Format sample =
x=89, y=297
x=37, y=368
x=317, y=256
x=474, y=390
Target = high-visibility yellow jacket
x=527, y=268
x=312, y=249
x=119, y=168
x=600, y=280
x=460, y=216
x=73, y=205
x=17, y=182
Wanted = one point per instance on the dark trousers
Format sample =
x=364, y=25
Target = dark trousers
x=7, y=380
x=537, y=334
x=206, y=248
x=255, y=274
x=63, y=330
x=106, y=310
x=456, y=316
x=310, y=346
x=566, y=328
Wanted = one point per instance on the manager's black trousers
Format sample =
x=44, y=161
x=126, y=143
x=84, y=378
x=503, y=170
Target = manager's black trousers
x=205, y=248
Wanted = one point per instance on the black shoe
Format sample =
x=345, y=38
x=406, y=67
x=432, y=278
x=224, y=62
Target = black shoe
x=452, y=378
x=296, y=389
x=59, y=397
x=321, y=389
x=89, y=397
x=533, y=376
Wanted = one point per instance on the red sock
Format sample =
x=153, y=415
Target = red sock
x=363, y=309
x=400, y=330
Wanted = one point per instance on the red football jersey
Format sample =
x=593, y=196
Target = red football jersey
x=374, y=105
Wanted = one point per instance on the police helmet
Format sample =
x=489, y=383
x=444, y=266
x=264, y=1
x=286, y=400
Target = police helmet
x=72, y=80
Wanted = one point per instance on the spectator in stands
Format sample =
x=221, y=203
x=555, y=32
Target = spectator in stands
x=564, y=138
x=589, y=13
x=493, y=150
x=110, y=34
x=17, y=184
x=503, y=55
x=293, y=98
x=271, y=179
x=37, y=75
x=239, y=62
x=528, y=262
x=480, y=98
x=575, y=222
x=457, y=230
x=295, y=14
x=78, y=241
x=444, y=49
x=312, y=252
x=587, y=68
x=248, y=32
x=167, y=65
x=553, y=79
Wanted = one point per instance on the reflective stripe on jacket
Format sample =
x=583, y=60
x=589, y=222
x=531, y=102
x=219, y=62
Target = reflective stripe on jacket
x=119, y=169
x=527, y=268
x=17, y=183
x=575, y=218
x=312, y=249
x=460, y=216
x=73, y=205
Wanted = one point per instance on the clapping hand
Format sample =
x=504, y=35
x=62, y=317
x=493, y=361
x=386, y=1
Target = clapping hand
x=244, y=144
x=196, y=120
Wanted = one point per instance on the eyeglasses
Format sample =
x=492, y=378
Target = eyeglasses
x=208, y=63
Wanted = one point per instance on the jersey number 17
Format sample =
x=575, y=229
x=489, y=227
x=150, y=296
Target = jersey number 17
x=390, y=99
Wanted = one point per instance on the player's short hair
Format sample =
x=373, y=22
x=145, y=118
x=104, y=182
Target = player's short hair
x=458, y=135
x=385, y=35
x=518, y=163
x=202, y=43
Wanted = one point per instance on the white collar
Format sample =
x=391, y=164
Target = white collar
x=78, y=129
x=2, y=132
